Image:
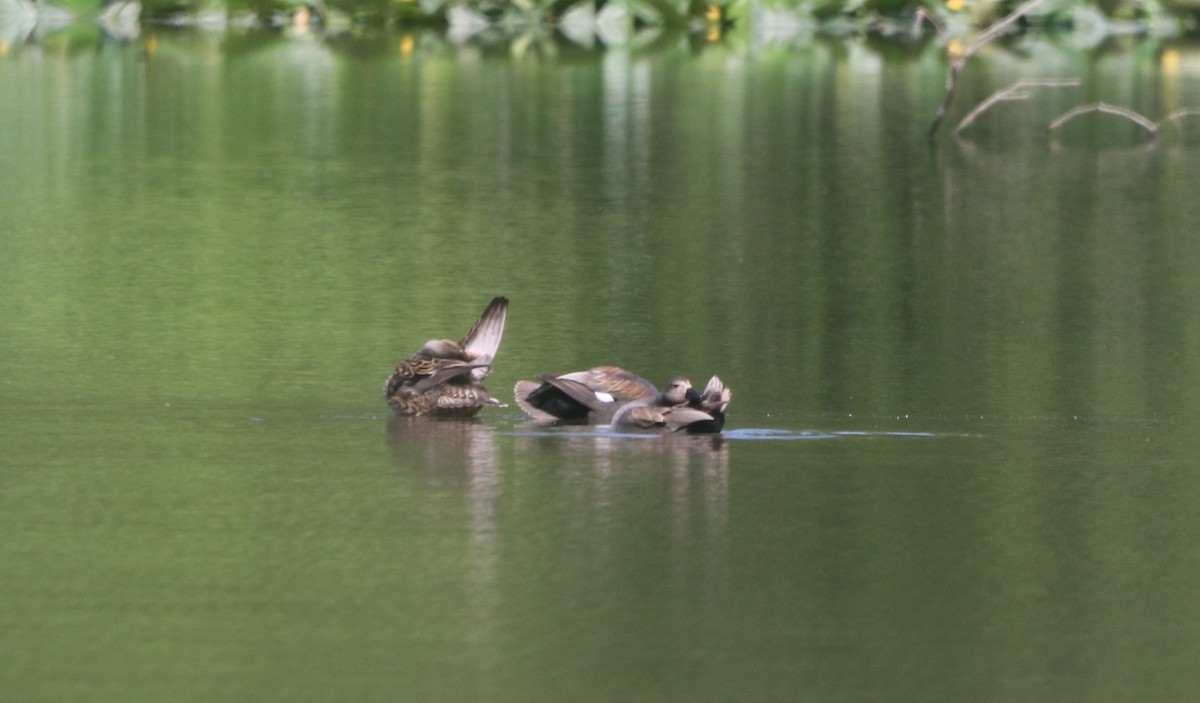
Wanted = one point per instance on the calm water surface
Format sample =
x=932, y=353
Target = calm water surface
x=960, y=463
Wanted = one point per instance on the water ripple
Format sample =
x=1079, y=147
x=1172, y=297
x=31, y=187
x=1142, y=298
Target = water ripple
x=752, y=433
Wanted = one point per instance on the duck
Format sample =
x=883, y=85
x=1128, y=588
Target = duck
x=611, y=395
x=678, y=408
x=445, y=378
x=581, y=397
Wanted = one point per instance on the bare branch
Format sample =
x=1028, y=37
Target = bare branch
x=924, y=15
x=1135, y=117
x=951, y=84
x=1016, y=91
x=1179, y=114
x=957, y=64
x=995, y=30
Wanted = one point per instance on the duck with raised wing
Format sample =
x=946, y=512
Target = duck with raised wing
x=582, y=397
x=445, y=378
x=679, y=407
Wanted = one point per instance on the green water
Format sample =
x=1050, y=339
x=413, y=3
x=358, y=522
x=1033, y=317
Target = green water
x=959, y=463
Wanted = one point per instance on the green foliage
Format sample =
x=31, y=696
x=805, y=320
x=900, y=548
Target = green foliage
x=262, y=8
x=76, y=6
x=166, y=8
x=839, y=16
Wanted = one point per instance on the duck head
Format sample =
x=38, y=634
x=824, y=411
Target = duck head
x=446, y=349
x=677, y=391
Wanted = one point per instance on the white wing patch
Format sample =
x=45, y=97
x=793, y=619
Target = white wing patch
x=604, y=397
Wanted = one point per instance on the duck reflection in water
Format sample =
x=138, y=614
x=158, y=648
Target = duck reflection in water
x=450, y=464
x=607, y=478
x=613, y=396
x=445, y=449
x=445, y=378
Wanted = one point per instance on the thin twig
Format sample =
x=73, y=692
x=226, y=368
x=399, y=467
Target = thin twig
x=957, y=64
x=1135, y=117
x=1016, y=91
x=997, y=27
x=1176, y=115
x=924, y=15
x=951, y=83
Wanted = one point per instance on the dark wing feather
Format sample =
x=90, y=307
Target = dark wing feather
x=574, y=390
x=446, y=374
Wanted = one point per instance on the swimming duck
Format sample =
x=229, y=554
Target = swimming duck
x=678, y=408
x=590, y=396
x=610, y=394
x=444, y=378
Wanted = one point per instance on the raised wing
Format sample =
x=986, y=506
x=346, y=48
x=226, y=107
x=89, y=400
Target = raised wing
x=483, y=341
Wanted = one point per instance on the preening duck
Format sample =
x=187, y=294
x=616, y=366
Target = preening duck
x=445, y=378
x=678, y=408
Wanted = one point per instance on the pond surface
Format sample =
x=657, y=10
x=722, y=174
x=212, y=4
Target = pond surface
x=960, y=459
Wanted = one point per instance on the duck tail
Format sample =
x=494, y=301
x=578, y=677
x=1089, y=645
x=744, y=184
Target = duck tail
x=715, y=397
x=522, y=391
